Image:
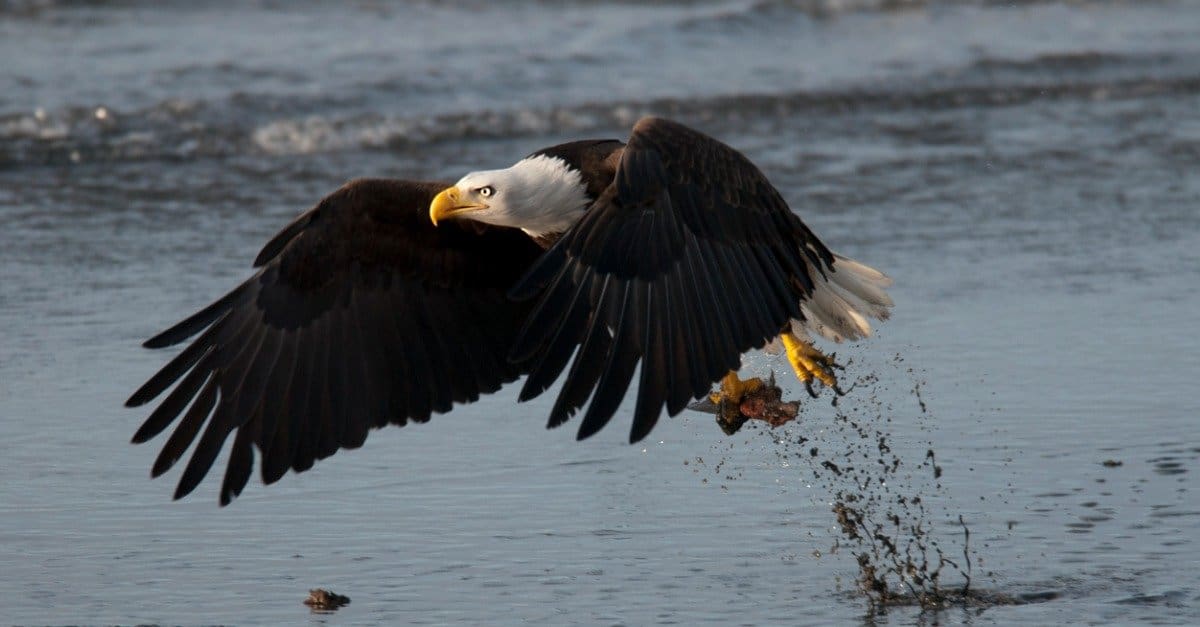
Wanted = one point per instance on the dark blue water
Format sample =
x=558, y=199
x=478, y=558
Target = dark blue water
x=1026, y=173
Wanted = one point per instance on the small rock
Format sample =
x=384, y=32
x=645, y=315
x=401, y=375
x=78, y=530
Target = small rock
x=322, y=600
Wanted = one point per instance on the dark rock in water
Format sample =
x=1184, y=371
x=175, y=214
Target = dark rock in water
x=1112, y=463
x=321, y=600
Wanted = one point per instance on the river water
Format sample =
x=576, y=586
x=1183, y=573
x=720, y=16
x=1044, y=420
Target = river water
x=1026, y=172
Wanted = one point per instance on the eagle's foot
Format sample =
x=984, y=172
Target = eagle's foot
x=729, y=398
x=733, y=389
x=810, y=363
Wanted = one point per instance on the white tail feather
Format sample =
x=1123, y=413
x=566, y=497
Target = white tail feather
x=843, y=300
x=837, y=320
x=863, y=281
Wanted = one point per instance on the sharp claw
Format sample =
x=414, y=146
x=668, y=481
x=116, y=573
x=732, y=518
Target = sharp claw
x=808, y=386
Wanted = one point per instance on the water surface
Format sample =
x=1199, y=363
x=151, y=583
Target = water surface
x=1026, y=173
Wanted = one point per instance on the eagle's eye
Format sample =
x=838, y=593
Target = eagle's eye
x=487, y=191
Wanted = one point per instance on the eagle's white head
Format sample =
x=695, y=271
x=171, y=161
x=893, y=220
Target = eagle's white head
x=539, y=195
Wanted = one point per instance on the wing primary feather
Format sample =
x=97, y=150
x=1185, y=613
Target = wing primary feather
x=277, y=394
x=560, y=344
x=365, y=366
x=419, y=383
x=445, y=354
x=223, y=421
x=192, y=324
x=705, y=341
x=781, y=304
x=357, y=383
x=722, y=304
x=403, y=371
x=174, y=404
x=339, y=395
x=381, y=407
x=618, y=369
x=278, y=457
x=213, y=361
x=456, y=348
x=748, y=293
x=207, y=449
x=183, y=435
x=396, y=373
x=176, y=368
x=703, y=336
x=667, y=319
x=439, y=368
x=241, y=463
x=687, y=346
x=652, y=386
x=678, y=348
x=794, y=265
x=250, y=390
x=316, y=411
x=598, y=232
x=486, y=373
x=586, y=368
x=541, y=324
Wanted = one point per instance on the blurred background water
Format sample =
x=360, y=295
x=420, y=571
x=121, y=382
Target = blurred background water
x=1026, y=172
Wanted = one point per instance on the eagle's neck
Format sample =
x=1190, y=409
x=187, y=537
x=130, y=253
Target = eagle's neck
x=549, y=198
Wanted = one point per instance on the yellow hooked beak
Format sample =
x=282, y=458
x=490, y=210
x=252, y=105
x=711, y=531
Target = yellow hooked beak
x=448, y=203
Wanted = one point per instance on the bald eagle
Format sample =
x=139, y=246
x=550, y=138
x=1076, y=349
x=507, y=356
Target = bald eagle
x=390, y=301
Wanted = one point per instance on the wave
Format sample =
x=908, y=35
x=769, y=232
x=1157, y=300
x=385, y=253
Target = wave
x=246, y=124
x=39, y=8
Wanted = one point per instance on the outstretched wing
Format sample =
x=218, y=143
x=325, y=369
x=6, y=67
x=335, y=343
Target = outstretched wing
x=362, y=315
x=687, y=260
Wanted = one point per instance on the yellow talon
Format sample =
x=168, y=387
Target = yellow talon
x=733, y=388
x=807, y=361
